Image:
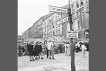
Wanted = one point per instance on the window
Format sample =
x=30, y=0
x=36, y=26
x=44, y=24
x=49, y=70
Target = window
x=56, y=31
x=87, y=36
x=51, y=20
x=49, y=34
x=87, y=9
x=81, y=3
x=87, y=1
x=45, y=24
x=53, y=33
x=58, y=25
x=77, y=14
x=77, y=4
x=72, y=7
x=45, y=29
x=53, y=26
x=56, y=18
x=59, y=31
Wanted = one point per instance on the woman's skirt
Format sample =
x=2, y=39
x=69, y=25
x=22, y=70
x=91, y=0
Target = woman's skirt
x=30, y=53
x=36, y=53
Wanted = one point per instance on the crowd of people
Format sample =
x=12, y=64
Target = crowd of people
x=38, y=49
x=34, y=50
x=81, y=46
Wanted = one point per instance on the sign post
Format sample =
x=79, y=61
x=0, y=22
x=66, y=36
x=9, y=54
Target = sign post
x=72, y=34
x=71, y=40
x=57, y=9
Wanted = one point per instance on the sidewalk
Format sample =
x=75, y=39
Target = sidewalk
x=62, y=63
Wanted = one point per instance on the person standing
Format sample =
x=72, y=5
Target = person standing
x=50, y=50
x=45, y=46
x=19, y=49
x=37, y=50
x=77, y=45
x=30, y=51
x=60, y=47
x=23, y=50
x=87, y=45
x=65, y=45
x=68, y=49
x=40, y=50
x=47, y=50
x=83, y=47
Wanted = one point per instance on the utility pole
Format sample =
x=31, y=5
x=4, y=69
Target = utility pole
x=63, y=10
x=71, y=40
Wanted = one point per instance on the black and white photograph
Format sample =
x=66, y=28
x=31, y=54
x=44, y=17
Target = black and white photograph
x=53, y=35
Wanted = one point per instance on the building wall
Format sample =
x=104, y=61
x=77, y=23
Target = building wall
x=37, y=29
x=64, y=30
x=59, y=29
x=47, y=26
x=25, y=35
x=81, y=15
x=51, y=24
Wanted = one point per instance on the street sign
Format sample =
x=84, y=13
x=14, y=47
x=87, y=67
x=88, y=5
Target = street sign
x=72, y=34
x=59, y=25
x=57, y=9
x=63, y=20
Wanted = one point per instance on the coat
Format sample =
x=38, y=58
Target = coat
x=37, y=50
x=30, y=49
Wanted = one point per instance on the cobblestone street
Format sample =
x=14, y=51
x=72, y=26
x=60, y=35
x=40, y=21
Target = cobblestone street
x=61, y=61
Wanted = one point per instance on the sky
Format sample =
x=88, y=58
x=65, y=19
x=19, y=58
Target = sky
x=29, y=11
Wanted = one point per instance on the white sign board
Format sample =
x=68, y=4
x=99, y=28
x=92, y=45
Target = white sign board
x=72, y=34
x=63, y=20
x=57, y=9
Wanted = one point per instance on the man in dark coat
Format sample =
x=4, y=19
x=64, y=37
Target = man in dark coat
x=19, y=50
x=30, y=51
x=60, y=47
x=87, y=45
x=36, y=50
x=23, y=50
x=47, y=52
x=45, y=45
x=41, y=50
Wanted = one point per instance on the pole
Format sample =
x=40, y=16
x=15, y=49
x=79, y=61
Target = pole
x=71, y=40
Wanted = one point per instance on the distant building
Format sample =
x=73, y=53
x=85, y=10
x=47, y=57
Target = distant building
x=47, y=27
x=34, y=32
x=80, y=15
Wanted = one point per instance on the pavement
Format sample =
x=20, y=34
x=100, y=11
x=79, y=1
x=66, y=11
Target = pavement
x=61, y=63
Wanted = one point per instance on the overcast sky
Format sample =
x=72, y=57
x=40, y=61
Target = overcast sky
x=29, y=11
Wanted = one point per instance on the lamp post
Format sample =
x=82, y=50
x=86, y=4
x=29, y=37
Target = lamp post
x=71, y=40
